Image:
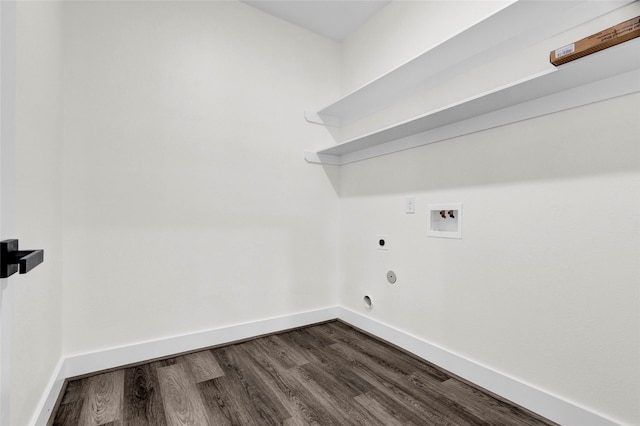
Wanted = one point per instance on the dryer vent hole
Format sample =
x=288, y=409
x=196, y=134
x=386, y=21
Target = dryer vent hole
x=367, y=302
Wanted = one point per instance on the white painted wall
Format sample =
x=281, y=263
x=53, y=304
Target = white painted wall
x=543, y=287
x=403, y=30
x=37, y=305
x=7, y=178
x=187, y=203
x=397, y=34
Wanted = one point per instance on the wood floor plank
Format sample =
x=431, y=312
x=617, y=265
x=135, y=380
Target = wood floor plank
x=317, y=340
x=254, y=374
x=381, y=413
x=325, y=374
x=216, y=401
x=404, y=408
x=143, y=404
x=297, y=398
x=75, y=391
x=332, y=386
x=226, y=402
x=264, y=409
x=308, y=344
x=68, y=414
x=336, y=379
x=288, y=356
x=328, y=361
x=308, y=403
x=335, y=408
x=204, y=366
x=399, y=386
x=380, y=351
x=103, y=400
x=487, y=407
x=181, y=399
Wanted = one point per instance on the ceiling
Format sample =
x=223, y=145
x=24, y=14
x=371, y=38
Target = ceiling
x=335, y=19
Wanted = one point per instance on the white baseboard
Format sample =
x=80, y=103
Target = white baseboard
x=76, y=365
x=527, y=396
x=538, y=401
x=50, y=396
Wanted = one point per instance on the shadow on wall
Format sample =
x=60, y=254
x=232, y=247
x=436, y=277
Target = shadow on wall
x=600, y=138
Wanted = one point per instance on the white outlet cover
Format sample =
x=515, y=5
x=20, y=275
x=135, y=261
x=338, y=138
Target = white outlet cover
x=410, y=204
x=384, y=238
x=449, y=226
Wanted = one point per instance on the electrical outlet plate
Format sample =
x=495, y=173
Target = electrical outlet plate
x=382, y=242
x=445, y=220
x=410, y=204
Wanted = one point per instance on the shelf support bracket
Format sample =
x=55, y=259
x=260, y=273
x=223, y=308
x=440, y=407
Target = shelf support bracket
x=322, y=119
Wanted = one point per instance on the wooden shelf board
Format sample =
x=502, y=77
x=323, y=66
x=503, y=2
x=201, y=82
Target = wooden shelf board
x=610, y=73
x=525, y=23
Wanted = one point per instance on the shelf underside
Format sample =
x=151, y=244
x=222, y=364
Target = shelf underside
x=526, y=23
x=603, y=75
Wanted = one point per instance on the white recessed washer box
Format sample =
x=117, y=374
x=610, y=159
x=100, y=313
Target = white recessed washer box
x=445, y=220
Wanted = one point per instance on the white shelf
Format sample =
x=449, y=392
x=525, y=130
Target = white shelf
x=606, y=74
x=515, y=26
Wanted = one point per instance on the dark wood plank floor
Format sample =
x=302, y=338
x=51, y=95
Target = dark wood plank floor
x=326, y=374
